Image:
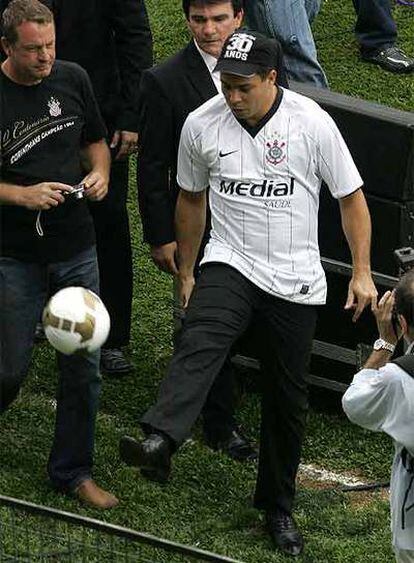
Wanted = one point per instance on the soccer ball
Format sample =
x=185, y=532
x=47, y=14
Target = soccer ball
x=76, y=320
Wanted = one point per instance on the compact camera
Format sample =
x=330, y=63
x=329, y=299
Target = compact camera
x=77, y=191
x=405, y=260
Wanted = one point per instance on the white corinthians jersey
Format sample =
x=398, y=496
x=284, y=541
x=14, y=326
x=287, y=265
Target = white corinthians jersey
x=264, y=189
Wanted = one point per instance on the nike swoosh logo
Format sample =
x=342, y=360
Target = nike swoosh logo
x=221, y=153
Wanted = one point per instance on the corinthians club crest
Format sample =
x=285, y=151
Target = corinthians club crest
x=54, y=107
x=276, y=151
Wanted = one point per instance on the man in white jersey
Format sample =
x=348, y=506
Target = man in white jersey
x=169, y=92
x=263, y=152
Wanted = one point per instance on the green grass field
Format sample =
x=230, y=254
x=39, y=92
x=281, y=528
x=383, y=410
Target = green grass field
x=208, y=502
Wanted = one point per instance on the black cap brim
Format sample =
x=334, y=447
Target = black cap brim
x=239, y=68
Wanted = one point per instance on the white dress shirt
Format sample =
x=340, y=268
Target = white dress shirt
x=211, y=65
x=383, y=400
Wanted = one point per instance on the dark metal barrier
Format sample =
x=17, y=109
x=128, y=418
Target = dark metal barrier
x=346, y=354
x=33, y=533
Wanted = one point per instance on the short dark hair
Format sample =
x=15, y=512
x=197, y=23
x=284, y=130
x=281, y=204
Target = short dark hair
x=404, y=297
x=20, y=11
x=237, y=5
x=265, y=73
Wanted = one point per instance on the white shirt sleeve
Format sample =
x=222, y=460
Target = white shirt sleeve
x=383, y=400
x=335, y=163
x=192, y=170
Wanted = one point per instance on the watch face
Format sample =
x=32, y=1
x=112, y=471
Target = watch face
x=381, y=344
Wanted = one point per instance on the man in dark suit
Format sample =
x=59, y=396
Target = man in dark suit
x=169, y=92
x=111, y=40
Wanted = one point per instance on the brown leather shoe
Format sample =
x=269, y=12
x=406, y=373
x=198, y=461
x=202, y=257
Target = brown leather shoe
x=89, y=493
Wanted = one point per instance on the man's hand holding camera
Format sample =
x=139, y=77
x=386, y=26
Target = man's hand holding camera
x=388, y=329
x=46, y=195
x=38, y=197
x=96, y=160
x=43, y=196
x=96, y=185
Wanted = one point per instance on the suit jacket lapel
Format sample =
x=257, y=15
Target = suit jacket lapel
x=198, y=73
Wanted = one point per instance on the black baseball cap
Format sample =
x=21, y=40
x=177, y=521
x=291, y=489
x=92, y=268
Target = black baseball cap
x=247, y=52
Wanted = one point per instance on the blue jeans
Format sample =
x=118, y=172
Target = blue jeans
x=375, y=27
x=23, y=290
x=289, y=22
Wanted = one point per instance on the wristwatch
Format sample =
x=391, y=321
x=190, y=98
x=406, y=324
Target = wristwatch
x=381, y=344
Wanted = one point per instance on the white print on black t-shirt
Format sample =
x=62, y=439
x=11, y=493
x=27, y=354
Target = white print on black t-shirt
x=23, y=127
x=20, y=144
x=20, y=128
x=54, y=107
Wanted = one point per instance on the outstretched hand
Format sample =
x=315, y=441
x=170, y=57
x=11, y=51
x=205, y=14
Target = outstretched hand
x=361, y=292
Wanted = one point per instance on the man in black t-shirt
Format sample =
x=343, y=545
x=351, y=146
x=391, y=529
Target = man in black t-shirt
x=111, y=40
x=50, y=130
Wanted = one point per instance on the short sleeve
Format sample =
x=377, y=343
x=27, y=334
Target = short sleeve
x=192, y=170
x=335, y=164
x=94, y=127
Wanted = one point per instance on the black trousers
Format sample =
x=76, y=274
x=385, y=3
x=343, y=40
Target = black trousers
x=218, y=410
x=113, y=243
x=221, y=308
x=220, y=404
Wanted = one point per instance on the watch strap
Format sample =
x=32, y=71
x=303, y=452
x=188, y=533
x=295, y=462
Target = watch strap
x=381, y=344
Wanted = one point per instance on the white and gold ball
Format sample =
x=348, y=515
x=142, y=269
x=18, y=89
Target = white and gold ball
x=75, y=319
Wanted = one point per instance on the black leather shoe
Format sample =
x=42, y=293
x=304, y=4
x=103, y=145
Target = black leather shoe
x=391, y=59
x=235, y=446
x=284, y=533
x=152, y=456
x=113, y=362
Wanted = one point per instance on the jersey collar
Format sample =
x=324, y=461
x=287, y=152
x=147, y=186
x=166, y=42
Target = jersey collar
x=253, y=131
